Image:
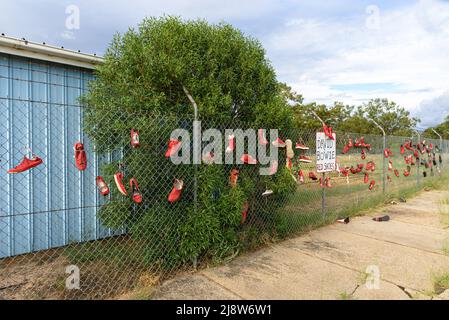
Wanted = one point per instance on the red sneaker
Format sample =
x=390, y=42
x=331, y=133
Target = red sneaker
x=102, y=186
x=305, y=159
x=135, y=138
x=118, y=177
x=366, y=178
x=80, y=156
x=262, y=140
x=372, y=184
x=134, y=187
x=244, y=212
x=247, y=159
x=363, y=154
x=313, y=176
x=173, y=147
x=175, y=194
x=300, y=146
x=26, y=164
x=301, y=176
x=278, y=143
x=233, y=177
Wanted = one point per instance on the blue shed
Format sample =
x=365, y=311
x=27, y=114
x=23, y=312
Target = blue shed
x=53, y=204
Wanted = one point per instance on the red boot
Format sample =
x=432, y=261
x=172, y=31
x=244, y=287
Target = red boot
x=135, y=143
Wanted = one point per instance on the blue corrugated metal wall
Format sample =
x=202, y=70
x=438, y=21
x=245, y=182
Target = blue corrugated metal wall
x=53, y=204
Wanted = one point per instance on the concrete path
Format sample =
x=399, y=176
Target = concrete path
x=332, y=262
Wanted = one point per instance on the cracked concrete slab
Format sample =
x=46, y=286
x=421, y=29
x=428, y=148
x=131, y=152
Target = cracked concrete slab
x=331, y=262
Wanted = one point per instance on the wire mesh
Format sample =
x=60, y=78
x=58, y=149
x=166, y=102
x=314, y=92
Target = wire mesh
x=54, y=219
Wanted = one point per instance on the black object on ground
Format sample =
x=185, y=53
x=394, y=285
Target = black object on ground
x=345, y=220
x=381, y=219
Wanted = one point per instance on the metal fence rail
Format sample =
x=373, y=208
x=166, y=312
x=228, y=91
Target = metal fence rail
x=118, y=244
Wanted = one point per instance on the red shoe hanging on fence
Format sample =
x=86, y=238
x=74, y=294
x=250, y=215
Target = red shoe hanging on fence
x=402, y=149
x=372, y=184
x=301, y=146
x=233, y=177
x=247, y=159
x=118, y=178
x=327, y=182
x=175, y=194
x=173, y=147
x=26, y=164
x=396, y=173
x=304, y=159
x=313, y=176
x=134, y=187
x=328, y=131
x=301, y=176
x=135, y=141
x=363, y=154
x=244, y=212
x=80, y=156
x=278, y=143
x=102, y=186
x=366, y=178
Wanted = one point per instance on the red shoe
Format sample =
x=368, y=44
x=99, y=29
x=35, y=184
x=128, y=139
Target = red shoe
x=321, y=183
x=388, y=153
x=262, y=140
x=402, y=149
x=231, y=144
x=278, y=143
x=396, y=173
x=360, y=166
x=247, y=159
x=390, y=165
x=363, y=154
x=118, y=177
x=370, y=166
x=305, y=159
x=288, y=163
x=366, y=179
x=359, y=142
x=102, y=186
x=26, y=164
x=233, y=177
x=135, y=138
x=80, y=156
x=173, y=147
x=344, y=171
x=300, y=146
x=408, y=145
x=350, y=143
x=327, y=182
x=346, y=149
x=416, y=154
x=406, y=173
x=301, y=176
x=244, y=212
x=372, y=184
x=313, y=176
x=328, y=131
x=134, y=187
x=353, y=170
x=175, y=194
x=274, y=167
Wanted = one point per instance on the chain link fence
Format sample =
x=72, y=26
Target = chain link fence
x=66, y=234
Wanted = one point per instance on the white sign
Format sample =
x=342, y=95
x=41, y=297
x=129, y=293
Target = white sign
x=326, y=152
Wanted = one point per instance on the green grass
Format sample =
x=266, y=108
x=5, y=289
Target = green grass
x=441, y=283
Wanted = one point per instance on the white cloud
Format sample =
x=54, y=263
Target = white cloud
x=410, y=51
x=433, y=111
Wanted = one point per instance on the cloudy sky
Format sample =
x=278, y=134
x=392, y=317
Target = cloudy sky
x=341, y=50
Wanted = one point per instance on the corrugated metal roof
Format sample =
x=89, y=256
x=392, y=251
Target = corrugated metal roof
x=25, y=48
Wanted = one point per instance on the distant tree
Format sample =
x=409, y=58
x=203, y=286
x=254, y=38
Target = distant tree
x=442, y=128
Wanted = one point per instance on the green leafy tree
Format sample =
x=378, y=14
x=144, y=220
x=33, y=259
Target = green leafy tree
x=442, y=129
x=146, y=83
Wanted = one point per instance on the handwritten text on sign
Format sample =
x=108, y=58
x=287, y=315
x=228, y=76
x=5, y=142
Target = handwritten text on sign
x=326, y=153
